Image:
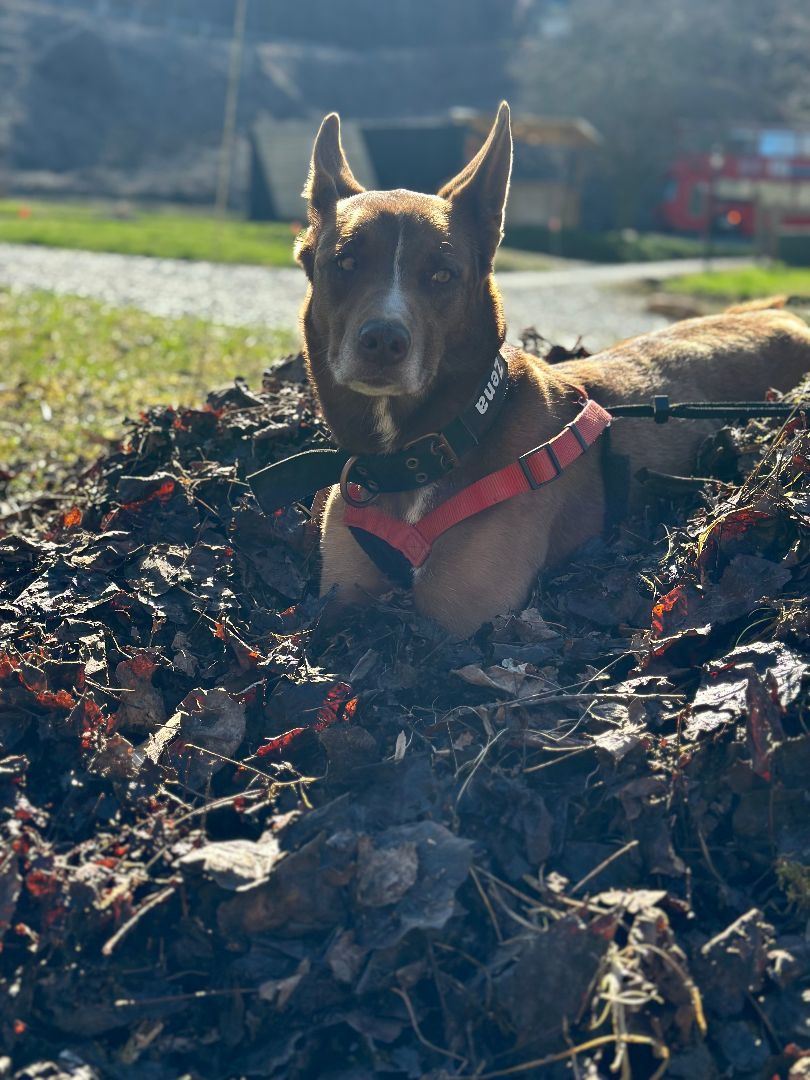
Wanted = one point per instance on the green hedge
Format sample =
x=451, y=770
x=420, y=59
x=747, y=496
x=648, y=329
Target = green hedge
x=617, y=246
x=794, y=249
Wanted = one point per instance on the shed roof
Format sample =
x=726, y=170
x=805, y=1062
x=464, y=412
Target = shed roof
x=533, y=130
x=543, y=130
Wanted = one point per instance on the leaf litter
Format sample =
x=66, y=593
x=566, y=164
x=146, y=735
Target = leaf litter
x=238, y=844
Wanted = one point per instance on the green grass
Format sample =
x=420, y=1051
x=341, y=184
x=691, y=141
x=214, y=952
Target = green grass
x=745, y=283
x=72, y=369
x=166, y=234
x=170, y=234
x=509, y=259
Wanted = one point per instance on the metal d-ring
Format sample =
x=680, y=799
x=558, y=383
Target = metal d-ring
x=344, y=486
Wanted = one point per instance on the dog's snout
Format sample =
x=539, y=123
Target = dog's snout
x=384, y=341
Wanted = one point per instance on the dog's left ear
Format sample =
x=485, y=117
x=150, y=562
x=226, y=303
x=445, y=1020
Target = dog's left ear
x=480, y=189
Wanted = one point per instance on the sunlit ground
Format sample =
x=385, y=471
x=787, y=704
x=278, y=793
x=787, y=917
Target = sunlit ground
x=169, y=234
x=71, y=370
x=746, y=282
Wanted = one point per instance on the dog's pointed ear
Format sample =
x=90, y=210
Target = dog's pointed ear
x=330, y=177
x=481, y=188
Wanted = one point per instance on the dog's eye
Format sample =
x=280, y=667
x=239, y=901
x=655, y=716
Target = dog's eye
x=347, y=262
x=441, y=277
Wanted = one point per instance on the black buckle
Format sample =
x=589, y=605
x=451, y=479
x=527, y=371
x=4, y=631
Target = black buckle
x=552, y=457
x=441, y=447
x=660, y=404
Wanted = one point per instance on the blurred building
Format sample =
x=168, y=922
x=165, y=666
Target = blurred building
x=421, y=154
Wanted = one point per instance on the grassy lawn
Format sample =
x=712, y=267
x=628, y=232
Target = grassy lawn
x=745, y=283
x=509, y=259
x=132, y=231
x=71, y=369
x=170, y=234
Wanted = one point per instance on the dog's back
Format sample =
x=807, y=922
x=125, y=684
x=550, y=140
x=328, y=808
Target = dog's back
x=739, y=355
x=765, y=347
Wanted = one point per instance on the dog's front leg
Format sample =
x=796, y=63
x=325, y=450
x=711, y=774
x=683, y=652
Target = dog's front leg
x=482, y=568
x=343, y=562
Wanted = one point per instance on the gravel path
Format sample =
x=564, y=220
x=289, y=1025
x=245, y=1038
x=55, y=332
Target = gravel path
x=562, y=303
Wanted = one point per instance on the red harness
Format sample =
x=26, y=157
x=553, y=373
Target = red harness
x=531, y=471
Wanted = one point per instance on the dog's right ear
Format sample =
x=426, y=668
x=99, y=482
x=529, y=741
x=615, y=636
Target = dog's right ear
x=330, y=177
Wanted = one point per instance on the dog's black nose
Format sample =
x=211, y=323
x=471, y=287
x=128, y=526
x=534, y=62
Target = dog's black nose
x=383, y=341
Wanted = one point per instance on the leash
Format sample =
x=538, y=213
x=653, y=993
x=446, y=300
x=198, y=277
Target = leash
x=616, y=467
x=661, y=411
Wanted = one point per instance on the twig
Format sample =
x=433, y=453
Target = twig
x=603, y=864
x=592, y=1044
x=437, y=982
x=219, y=804
x=415, y=1024
x=487, y=904
x=550, y=697
x=557, y=760
x=195, y=995
x=545, y=741
x=776, y=1042
x=122, y=931
x=478, y=762
x=532, y=927
x=230, y=761
x=530, y=901
x=37, y=501
x=709, y=861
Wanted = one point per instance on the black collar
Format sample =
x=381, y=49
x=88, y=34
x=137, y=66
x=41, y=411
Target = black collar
x=423, y=461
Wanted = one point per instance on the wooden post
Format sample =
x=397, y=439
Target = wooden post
x=231, y=101
x=716, y=163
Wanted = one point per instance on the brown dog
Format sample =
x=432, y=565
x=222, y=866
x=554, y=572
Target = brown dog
x=402, y=323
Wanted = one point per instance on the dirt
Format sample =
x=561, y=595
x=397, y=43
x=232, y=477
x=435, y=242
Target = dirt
x=237, y=844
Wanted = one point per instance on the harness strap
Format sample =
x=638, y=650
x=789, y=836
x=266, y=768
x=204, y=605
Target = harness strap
x=532, y=470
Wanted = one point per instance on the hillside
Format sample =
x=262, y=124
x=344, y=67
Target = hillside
x=130, y=103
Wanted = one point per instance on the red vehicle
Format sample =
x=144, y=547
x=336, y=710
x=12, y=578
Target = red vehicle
x=757, y=171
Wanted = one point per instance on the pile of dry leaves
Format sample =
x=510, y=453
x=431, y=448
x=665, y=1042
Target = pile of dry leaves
x=237, y=845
